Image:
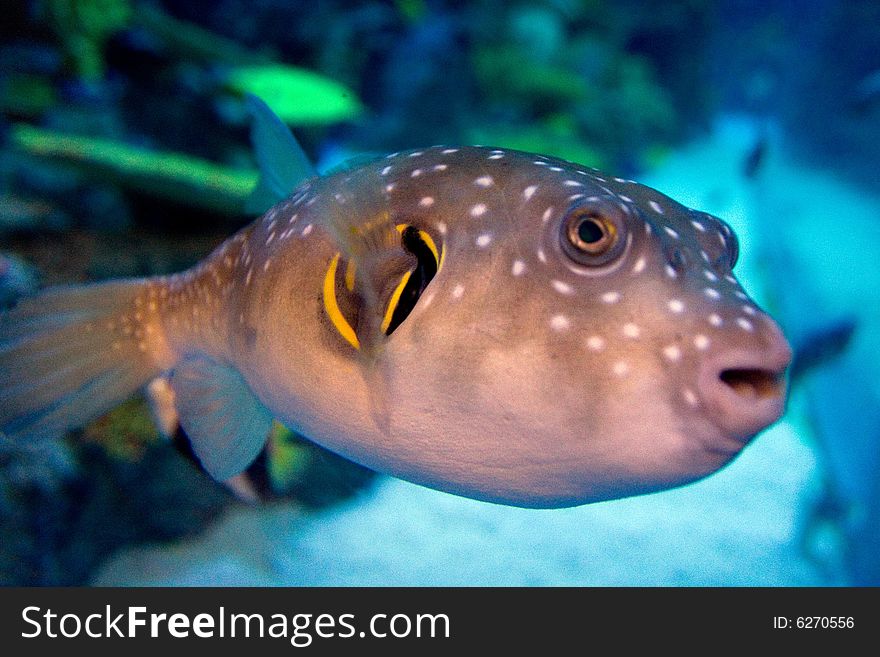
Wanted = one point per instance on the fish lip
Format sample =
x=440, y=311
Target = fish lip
x=761, y=373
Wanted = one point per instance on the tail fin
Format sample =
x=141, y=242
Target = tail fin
x=71, y=353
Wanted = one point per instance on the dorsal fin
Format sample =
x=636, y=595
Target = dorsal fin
x=282, y=162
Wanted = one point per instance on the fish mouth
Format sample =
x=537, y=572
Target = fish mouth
x=744, y=391
x=755, y=383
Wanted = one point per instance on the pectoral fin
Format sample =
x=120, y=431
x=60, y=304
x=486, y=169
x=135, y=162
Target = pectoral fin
x=226, y=424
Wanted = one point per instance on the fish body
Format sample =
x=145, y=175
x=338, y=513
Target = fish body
x=496, y=324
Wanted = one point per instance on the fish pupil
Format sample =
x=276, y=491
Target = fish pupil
x=590, y=232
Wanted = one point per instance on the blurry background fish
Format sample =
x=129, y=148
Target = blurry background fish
x=124, y=151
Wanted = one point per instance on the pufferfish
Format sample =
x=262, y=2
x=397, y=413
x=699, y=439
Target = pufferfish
x=496, y=324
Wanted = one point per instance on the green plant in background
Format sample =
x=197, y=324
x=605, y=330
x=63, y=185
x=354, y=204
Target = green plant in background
x=297, y=96
x=174, y=176
x=26, y=94
x=125, y=432
x=562, y=80
x=555, y=135
x=288, y=459
x=509, y=75
x=84, y=26
x=412, y=10
x=193, y=42
x=312, y=475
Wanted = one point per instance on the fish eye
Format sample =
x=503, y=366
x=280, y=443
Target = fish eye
x=593, y=235
x=733, y=250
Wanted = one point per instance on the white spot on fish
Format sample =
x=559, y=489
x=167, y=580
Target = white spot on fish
x=496, y=156
x=441, y=227
x=675, y=305
x=611, y=297
x=518, y=268
x=478, y=210
x=690, y=397
x=385, y=171
x=701, y=342
x=656, y=207
x=266, y=264
x=562, y=287
x=625, y=199
x=712, y=293
x=745, y=324
x=426, y=201
x=710, y=276
x=575, y=197
x=715, y=319
x=671, y=272
x=415, y=153
x=672, y=353
x=620, y=368
x=484, y=181
x=308, y=229
x=447, y=151
x=596, y=343
x=458, y=291
x=671, y=232
x=270, y=238
x=639, y=266
x=741, y=295
x=416, y=173
x=542, y=256
x=573, y=183
x=559, y=322
x=632, y=331
x=484, y=240
x=557, y=169
x=390, y=187
x=529, y=191
x=426, y=300
x=546, y=216
x=749, y=310
x=700, y=227
x=440, y=167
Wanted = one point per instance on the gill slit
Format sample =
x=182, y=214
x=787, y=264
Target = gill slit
x=331, y=304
